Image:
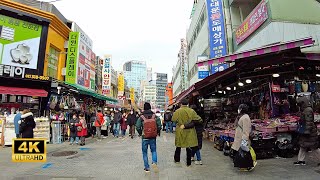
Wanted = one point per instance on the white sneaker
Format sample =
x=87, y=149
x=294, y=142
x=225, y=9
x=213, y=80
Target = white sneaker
x=198, y=162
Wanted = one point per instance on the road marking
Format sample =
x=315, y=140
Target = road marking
x=45, y=166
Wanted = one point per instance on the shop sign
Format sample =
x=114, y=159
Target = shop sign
x=255, y=19
x=132, y=95
x=12, y=71
x=72, y=57
x=106, y=77
x=203, y=72
x=19, y=42
x=275, y=88
x=120, y=85
x=81, y=59
x=218, y=68
x=217, y=34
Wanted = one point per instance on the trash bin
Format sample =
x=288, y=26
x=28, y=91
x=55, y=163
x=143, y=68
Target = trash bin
x=56, y=132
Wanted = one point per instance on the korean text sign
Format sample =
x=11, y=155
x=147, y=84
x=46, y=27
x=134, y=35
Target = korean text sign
x=255, y=19
x=203, y=72
x=72, y=57
x=132, y=95
x=120, y=85
x=106, y=77
x=217, y=35
x=218, y=68
x=19, y=42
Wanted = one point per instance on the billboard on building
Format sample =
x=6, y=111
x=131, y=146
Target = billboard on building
x=106, y=76
x=217, y=33
x=79, y=60
x=20, y=52
x=255, y=19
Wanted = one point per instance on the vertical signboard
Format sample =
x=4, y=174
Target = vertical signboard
x=106, y=77
x=84, y=72
x=255, y=19
x=120, y=85
x=72, y=57
x=132, y=95
x=217, y=34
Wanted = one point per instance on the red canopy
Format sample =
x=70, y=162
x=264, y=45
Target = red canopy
x=23, y=91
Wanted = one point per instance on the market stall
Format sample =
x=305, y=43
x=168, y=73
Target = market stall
x=269, y=84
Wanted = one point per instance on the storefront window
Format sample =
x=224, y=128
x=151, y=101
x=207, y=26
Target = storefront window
x=53, y=60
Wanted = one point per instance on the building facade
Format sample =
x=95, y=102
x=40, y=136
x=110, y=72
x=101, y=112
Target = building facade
x=223, y=27
x=161, y=83
x=135, y=72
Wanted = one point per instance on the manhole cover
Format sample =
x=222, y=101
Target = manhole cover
x=64, y=153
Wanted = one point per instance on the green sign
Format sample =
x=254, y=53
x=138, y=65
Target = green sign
x=72, y=58
x=19, y=42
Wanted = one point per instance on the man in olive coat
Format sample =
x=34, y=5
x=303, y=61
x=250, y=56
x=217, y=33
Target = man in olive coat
x=185, y=138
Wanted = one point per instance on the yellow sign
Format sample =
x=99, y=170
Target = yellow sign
x=120, y=85
x=132, y=95
x=32, y=76
x=29, y=150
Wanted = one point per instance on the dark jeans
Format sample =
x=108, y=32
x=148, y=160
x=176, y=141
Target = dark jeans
x=178, y=153
x=152, y=143
x=132, y=130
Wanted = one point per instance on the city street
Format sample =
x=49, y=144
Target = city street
x=122, y=159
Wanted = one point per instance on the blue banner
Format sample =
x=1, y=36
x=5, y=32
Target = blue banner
x=217, y=33
x=218, y=68
x=203, y=74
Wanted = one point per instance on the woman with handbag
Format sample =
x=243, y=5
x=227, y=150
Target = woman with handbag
x=82, y=129
x=242, y=146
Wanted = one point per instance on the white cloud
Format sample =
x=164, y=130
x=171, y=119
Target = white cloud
x=148, y=30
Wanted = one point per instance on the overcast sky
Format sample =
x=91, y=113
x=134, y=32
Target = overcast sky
x=147, y=30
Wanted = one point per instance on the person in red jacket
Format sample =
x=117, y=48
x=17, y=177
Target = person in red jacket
x=82, y=129
x=98, y=123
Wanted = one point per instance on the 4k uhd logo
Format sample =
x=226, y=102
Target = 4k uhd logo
x=29, y=150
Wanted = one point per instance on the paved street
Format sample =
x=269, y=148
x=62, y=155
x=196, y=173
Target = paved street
x=121, y=159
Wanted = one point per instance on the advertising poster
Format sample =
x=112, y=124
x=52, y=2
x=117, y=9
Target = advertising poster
x=106, y=77
x=120, y=85
x=19, y=43
x=93, y=71
x=255, y=19
x=217, y=34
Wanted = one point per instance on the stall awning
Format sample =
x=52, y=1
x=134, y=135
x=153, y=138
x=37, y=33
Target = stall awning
x=260, y=51
x=88, y=92
x=185, y=93
x=23, y=91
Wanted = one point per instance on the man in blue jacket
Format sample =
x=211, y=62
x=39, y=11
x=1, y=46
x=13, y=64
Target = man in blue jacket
x=16, y=120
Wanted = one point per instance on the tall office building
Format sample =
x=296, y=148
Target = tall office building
x=161, y=83
x=149, y=74
x=134, y=73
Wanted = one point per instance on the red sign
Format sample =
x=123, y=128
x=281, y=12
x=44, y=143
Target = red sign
x=255, y=19
x=276, y=88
